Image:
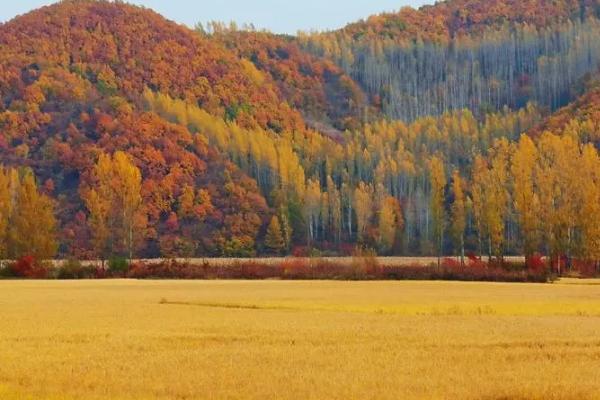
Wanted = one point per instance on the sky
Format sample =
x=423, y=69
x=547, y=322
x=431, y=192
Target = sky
x=280, y=16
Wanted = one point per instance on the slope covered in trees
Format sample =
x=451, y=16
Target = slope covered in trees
x=122, y=49
x=451, y=18
x=69, y=99
x=319, y=88
x=480, y=55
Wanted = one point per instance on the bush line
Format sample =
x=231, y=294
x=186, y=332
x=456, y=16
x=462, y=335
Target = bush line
x=361, y=268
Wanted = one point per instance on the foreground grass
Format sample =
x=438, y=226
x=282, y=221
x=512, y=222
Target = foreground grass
x=299, y=340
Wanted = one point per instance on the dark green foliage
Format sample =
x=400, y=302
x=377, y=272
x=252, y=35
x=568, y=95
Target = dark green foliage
x=118, y=265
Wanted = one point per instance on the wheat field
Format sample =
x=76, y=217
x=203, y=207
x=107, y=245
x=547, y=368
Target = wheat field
x=299, y=340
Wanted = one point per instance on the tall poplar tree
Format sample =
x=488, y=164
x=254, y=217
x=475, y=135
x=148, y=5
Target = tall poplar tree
x=525, y=199
x=459, y=215
x=437, y=177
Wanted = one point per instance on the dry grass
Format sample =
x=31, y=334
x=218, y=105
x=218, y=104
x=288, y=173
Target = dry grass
x=299, y=340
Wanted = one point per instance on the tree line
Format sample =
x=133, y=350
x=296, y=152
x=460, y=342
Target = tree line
x=544, y=194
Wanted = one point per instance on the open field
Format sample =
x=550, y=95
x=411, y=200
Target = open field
x=124, y=339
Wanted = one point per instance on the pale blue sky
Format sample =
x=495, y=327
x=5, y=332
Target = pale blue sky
x=281, y=16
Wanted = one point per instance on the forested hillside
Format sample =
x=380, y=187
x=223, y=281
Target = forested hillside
x=480, y=55
x=424, y=132
x=324, y=94
x=71, y=77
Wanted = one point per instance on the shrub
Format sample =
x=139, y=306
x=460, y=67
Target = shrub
x=28, y=267
x=536, y=263
x=171, y=269
x=73, y=269
x=118, y=266
x=363, y=267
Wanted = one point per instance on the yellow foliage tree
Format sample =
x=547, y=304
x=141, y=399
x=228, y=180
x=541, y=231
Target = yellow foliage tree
x=525, y=199
x=558, y=190
x=589, y=212
x=363, y=207
x=459, y=214
x=6, y=205
x=437, y=176
x=33, y=226
x=114, y=203
x=497, y=196
x=389, y=223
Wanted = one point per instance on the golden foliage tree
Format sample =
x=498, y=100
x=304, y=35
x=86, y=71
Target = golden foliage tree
x=6, y=205
x=557, y=183
x=497, y=196
x=437, y=176
x=114, y=203
x=459, y=214
x=389, y=223
x=525, y=198
x=363, y=207
x=33, y=225
x=478, y=187
x=589, y=214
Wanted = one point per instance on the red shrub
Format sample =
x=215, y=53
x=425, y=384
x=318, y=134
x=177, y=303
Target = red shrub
x=536, y=263
x=28, y=267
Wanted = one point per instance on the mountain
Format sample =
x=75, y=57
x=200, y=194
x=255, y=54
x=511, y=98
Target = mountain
x=402, y=133
x=73, y=79
x=71, y=82
x=123, y=49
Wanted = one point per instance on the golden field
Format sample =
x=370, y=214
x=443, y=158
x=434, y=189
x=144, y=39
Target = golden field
x=299, y=340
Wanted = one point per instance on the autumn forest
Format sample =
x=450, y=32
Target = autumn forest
x=461, y=128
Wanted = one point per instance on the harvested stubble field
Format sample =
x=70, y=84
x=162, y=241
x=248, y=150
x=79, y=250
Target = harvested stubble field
x=123, y=339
